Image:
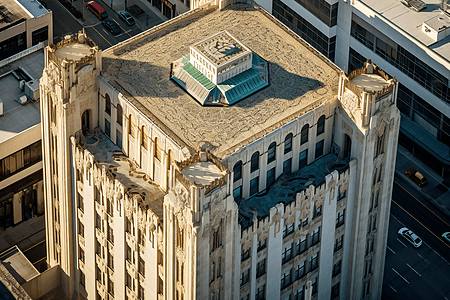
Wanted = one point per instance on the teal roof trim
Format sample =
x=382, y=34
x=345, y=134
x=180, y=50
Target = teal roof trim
x=197, y=75
x=242, y=85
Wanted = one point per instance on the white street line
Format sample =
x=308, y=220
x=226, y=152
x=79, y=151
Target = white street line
x=390, y=249
x=400, y=275
x=445, y=298
x=402, y=243
x=414, y=270
x=398, y=220
x=392, y=288
x=436, y=253
x=420, y=255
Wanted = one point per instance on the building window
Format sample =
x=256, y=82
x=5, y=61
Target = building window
x=141, y=266
x=300, y=293
x=144, y=136
x=261, y=245
x=237, y=171
x=129, y=254
x=110, y=287
x=304, y=134
x=254, y=165
x=129, y=226
x=98, y=222
x=337, y=268
x=340, y=218
x=129, y=282
x=261, y=268
x=245, y=277
x=81, y=254
x=254, y=186
x=98, y=275
x=300, y=271
x=110, y=260
x=80, y=228
x=286, y=255
x=287, y=166
x=131, y=126
x=321, y=125
x=314, y=286
x=342, y=194
x=288, y=229
x=313, y=262
x=97, y=196
x=107, y=104
x=335, y=290
x=303, y=161
x=160, y=286
x=80, y=202
x=119, y=138
x=288, y=143
x=271, y=153
x=317, y=211
x=260, y=293
x=245, y=254
x=315, y=236
x=39, y=35
x=338, y=244
x=237, y=193
x=319, y=149
x=301, y=245
x=82, y=279
x=140, y=292
x=119, y=114
x=285, y=280
x=270, y=177
x=141, y=237
x=20, y=160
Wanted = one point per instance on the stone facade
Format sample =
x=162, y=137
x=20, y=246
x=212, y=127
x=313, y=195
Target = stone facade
x=138, y=207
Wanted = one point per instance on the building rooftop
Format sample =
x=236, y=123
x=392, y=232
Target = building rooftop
x=286, y=187
x=411, y=21
x=18, y=265
x=16, y=117
x=202, y=172
x=73, y=51
x=13, y=12
x=370, y=82
x=300, y=78
x=133, y=178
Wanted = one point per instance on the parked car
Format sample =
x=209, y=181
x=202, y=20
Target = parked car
x=410, y=237
x=446, y=236
x=126, y=17
x=97, y=10
x=416, y=176
x=111, y=26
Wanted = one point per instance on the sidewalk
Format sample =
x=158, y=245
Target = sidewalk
x=437, y=191
x=145, y=15
x=25, y=235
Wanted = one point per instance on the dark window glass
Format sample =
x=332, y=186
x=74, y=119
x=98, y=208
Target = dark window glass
x=270, y=177
x=107, y=104
x=319, y=149
x=237, y=170
x=237, y=193
x=254, y=186
x=119, y=114
x=107, y=128
x=254, y=162
x=321, y=125
x=303, y=161
x=271, y=153
x=304, y=134
x=287, y=166
x=288, y=143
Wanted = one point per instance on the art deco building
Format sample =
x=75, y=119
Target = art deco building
x=216, y=156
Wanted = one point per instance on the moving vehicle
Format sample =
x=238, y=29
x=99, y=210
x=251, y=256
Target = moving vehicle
x=97, y=10
x=410, y=237
x=126, y=17
x=416, y=176
x=111, y=26
x=446, y=236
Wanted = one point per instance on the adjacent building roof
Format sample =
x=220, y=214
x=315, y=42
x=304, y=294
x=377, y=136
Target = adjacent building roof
x=300, y=78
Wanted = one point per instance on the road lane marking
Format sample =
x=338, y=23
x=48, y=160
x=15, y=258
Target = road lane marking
x=121, y=28
x=390, y=249
x=423, y=227
x=400, y=275
x=402, y=243
x=34, y=246
x=392, y=288
x=420, y=255
x=102, y=36
x=422, y=204
x=414, y=270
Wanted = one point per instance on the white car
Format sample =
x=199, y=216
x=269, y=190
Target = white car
x=446, y=235
x=410, y=237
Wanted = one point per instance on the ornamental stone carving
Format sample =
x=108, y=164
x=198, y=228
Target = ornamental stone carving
x=128, y=207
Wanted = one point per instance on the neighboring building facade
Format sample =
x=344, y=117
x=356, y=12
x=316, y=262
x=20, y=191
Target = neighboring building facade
x=152, y=193
x=21, y=179
x=406, y=39
x=23, y=24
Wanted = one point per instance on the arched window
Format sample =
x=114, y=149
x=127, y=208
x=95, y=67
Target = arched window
x=288, y=143
x=304, y=134
x=131, y=125
x=157, y=149
x=321, y=125
x=347, y=146
x=254, y=165
x=144, y=136
x=85, y=120
x=107, y=104
x=237, y=170
x=271, y=152
x=119, y=114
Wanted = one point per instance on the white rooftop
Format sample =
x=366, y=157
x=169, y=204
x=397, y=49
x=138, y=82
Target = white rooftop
x=33, y=7
x=18, y=265
x=371, y=82
x=73, y=51
x=411, y=21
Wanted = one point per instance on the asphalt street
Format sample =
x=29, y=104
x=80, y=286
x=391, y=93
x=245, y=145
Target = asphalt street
x=416, y=273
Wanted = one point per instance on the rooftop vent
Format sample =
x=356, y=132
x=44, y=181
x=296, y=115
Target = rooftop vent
x=437, y=28
x=445, y=7
x=416, y=5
